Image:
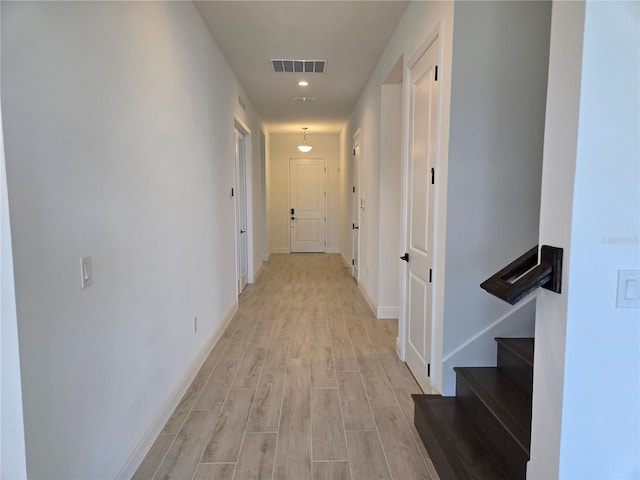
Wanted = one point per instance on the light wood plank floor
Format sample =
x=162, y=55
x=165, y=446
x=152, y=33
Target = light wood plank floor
x=303, y=384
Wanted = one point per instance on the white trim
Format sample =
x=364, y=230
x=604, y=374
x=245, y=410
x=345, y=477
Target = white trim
x=388, y=312
x=347, y=263
x=333, y=250
x=266, y=257
x=280, y=250
x=367, y=297
x=241, y=124
x=133, y=458
x=245, y=132
x=437, y=318
x=356, y=177
x=258, y=272
x=490, y=327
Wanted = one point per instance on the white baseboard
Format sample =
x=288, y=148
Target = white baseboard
x=332, y=250
x=265, y=258
x=388, y=312
x=132, y=460
x=258, y=272
x=380, y=312
x=370, y=302
x=280, y=250
x=347, y=263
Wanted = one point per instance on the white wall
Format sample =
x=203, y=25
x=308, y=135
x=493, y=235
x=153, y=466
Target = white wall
x=586, y=416
x=499, y=78
x=264, y=205
x=418, y=22
x=282, y=148
x=390, y=211
x=255, y=174
x=268, y=190
x=345, y=182
x=118, y=123
x=12, y=448
x=493, y=75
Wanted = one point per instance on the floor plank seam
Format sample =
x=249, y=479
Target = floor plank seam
x=307, y=318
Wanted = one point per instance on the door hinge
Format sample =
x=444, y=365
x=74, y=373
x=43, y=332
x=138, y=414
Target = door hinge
x=433, y=176
x=325, y=219
x=428, y=370
x=436, y=73
x=353, y=226
x=430, y=275
x=353, y=262
x=232, y=192
x=354, y=189
x=354, y=151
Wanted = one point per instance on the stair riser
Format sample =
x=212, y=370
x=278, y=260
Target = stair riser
x=493, y=434
x=519, y=371
x=428, y=436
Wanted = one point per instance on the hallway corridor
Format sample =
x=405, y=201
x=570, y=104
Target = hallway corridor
x=304, y=383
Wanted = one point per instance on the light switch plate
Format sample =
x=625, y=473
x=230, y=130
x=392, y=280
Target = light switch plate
x=628, y=289
x=86, y=274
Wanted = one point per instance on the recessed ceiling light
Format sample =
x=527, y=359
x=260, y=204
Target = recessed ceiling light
x=303, y=83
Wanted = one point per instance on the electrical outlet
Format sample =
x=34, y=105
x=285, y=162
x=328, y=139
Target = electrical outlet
x=195, y=324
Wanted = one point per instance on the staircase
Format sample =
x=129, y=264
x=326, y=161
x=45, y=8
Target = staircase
x=484, y=432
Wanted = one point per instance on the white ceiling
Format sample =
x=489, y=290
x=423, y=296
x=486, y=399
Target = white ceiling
x=349, y=35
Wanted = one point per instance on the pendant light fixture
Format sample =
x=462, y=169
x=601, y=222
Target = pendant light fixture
x=304, y=147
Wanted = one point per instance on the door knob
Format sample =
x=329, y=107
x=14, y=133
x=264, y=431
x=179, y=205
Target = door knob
x=405, y=257
x=242, y=231
x=293, y=218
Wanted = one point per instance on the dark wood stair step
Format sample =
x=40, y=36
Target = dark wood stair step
x=510, y=406
x=452, y=443
x=522, y=347
x=501, y=414
x=515, y=360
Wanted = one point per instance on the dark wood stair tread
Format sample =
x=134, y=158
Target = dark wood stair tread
x=522, y=347
x=453, y=446
x=508, y=404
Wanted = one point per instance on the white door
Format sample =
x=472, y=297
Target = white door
x=307, y=204
x=423, y=150
x=355, y=225
x=241, y=211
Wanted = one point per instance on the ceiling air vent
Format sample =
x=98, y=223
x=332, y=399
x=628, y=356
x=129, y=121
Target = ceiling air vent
x=304, y=99
x=298, y=66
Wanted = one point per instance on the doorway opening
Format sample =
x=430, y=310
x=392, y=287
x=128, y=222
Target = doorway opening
x=419, y=278
x=357, y=208
x=243, y=251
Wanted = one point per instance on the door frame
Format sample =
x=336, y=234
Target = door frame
x=243, y=129
x=435, y=380
x=356, y=197
x=324, y=203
